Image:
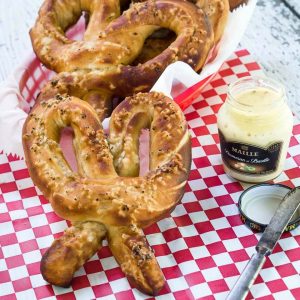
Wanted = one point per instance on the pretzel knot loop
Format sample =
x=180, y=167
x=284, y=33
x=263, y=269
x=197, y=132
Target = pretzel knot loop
x=107, y=197
x=107, y=62
x=113, y=40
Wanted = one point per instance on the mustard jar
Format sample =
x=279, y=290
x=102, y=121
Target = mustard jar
x=255, y=126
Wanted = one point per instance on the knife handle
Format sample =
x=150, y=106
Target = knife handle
x=247, y=278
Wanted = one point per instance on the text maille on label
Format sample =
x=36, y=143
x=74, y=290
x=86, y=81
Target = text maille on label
x=250, y=159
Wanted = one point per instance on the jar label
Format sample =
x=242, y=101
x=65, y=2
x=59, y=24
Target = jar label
x=250, y=159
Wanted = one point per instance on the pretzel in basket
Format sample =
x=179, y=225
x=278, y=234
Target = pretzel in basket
x=107, y=198
x=110, y=60
x=111, y=46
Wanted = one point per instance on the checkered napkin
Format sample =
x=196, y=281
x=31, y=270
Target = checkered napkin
x=202, y=247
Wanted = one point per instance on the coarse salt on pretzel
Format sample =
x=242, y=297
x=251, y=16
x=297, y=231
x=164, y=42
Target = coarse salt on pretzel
x=104, y=60
x=217, y=13
x=107, y=198
x=122, y=39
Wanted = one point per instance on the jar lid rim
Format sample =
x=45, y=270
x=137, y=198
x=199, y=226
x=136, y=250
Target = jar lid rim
x=264, y=197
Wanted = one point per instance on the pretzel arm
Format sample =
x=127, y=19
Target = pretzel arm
x=217, y=12
x=68, y=253
x=81, y=241
x=101, y=13
x=131, y=250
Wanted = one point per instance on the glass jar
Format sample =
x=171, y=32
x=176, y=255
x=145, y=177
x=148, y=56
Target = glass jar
x=255, y=126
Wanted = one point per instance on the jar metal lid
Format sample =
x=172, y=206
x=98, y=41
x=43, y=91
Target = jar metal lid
x=258, y=204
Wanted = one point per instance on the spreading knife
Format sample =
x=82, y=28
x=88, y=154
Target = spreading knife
x=266, y=244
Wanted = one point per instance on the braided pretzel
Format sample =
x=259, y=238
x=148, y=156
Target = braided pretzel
x=101, y=200
x=102, y=60
x=99, y=203
x=121, y=41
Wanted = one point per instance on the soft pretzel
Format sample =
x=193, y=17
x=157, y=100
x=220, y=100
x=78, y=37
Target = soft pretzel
x=101, y=199
x=71, y=251
x=217, y=13
x=121, y=41
x=118, y=56
x=105, y=60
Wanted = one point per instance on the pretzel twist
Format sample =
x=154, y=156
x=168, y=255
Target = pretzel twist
x=107, y=198
x=104, y=62
x=122, y=39
x=101, y=192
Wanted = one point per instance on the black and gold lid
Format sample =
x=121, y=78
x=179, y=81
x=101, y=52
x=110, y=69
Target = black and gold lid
x=258, y=203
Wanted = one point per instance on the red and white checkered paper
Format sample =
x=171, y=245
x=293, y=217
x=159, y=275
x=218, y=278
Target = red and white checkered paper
x=202, y=247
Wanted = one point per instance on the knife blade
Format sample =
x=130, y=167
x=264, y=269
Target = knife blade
x=266, y=244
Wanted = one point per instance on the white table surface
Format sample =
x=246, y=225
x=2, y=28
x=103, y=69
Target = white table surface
x=272, y=37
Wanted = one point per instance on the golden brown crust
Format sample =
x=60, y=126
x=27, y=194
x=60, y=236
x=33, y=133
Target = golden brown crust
x=217, y=12
x=100, y=197
x=154, y=45
x=103, y=59
x=136, y=258
x=106, y=197
x=116, y=57
x=68, y=253
x=73, y=196
x=122, y=40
